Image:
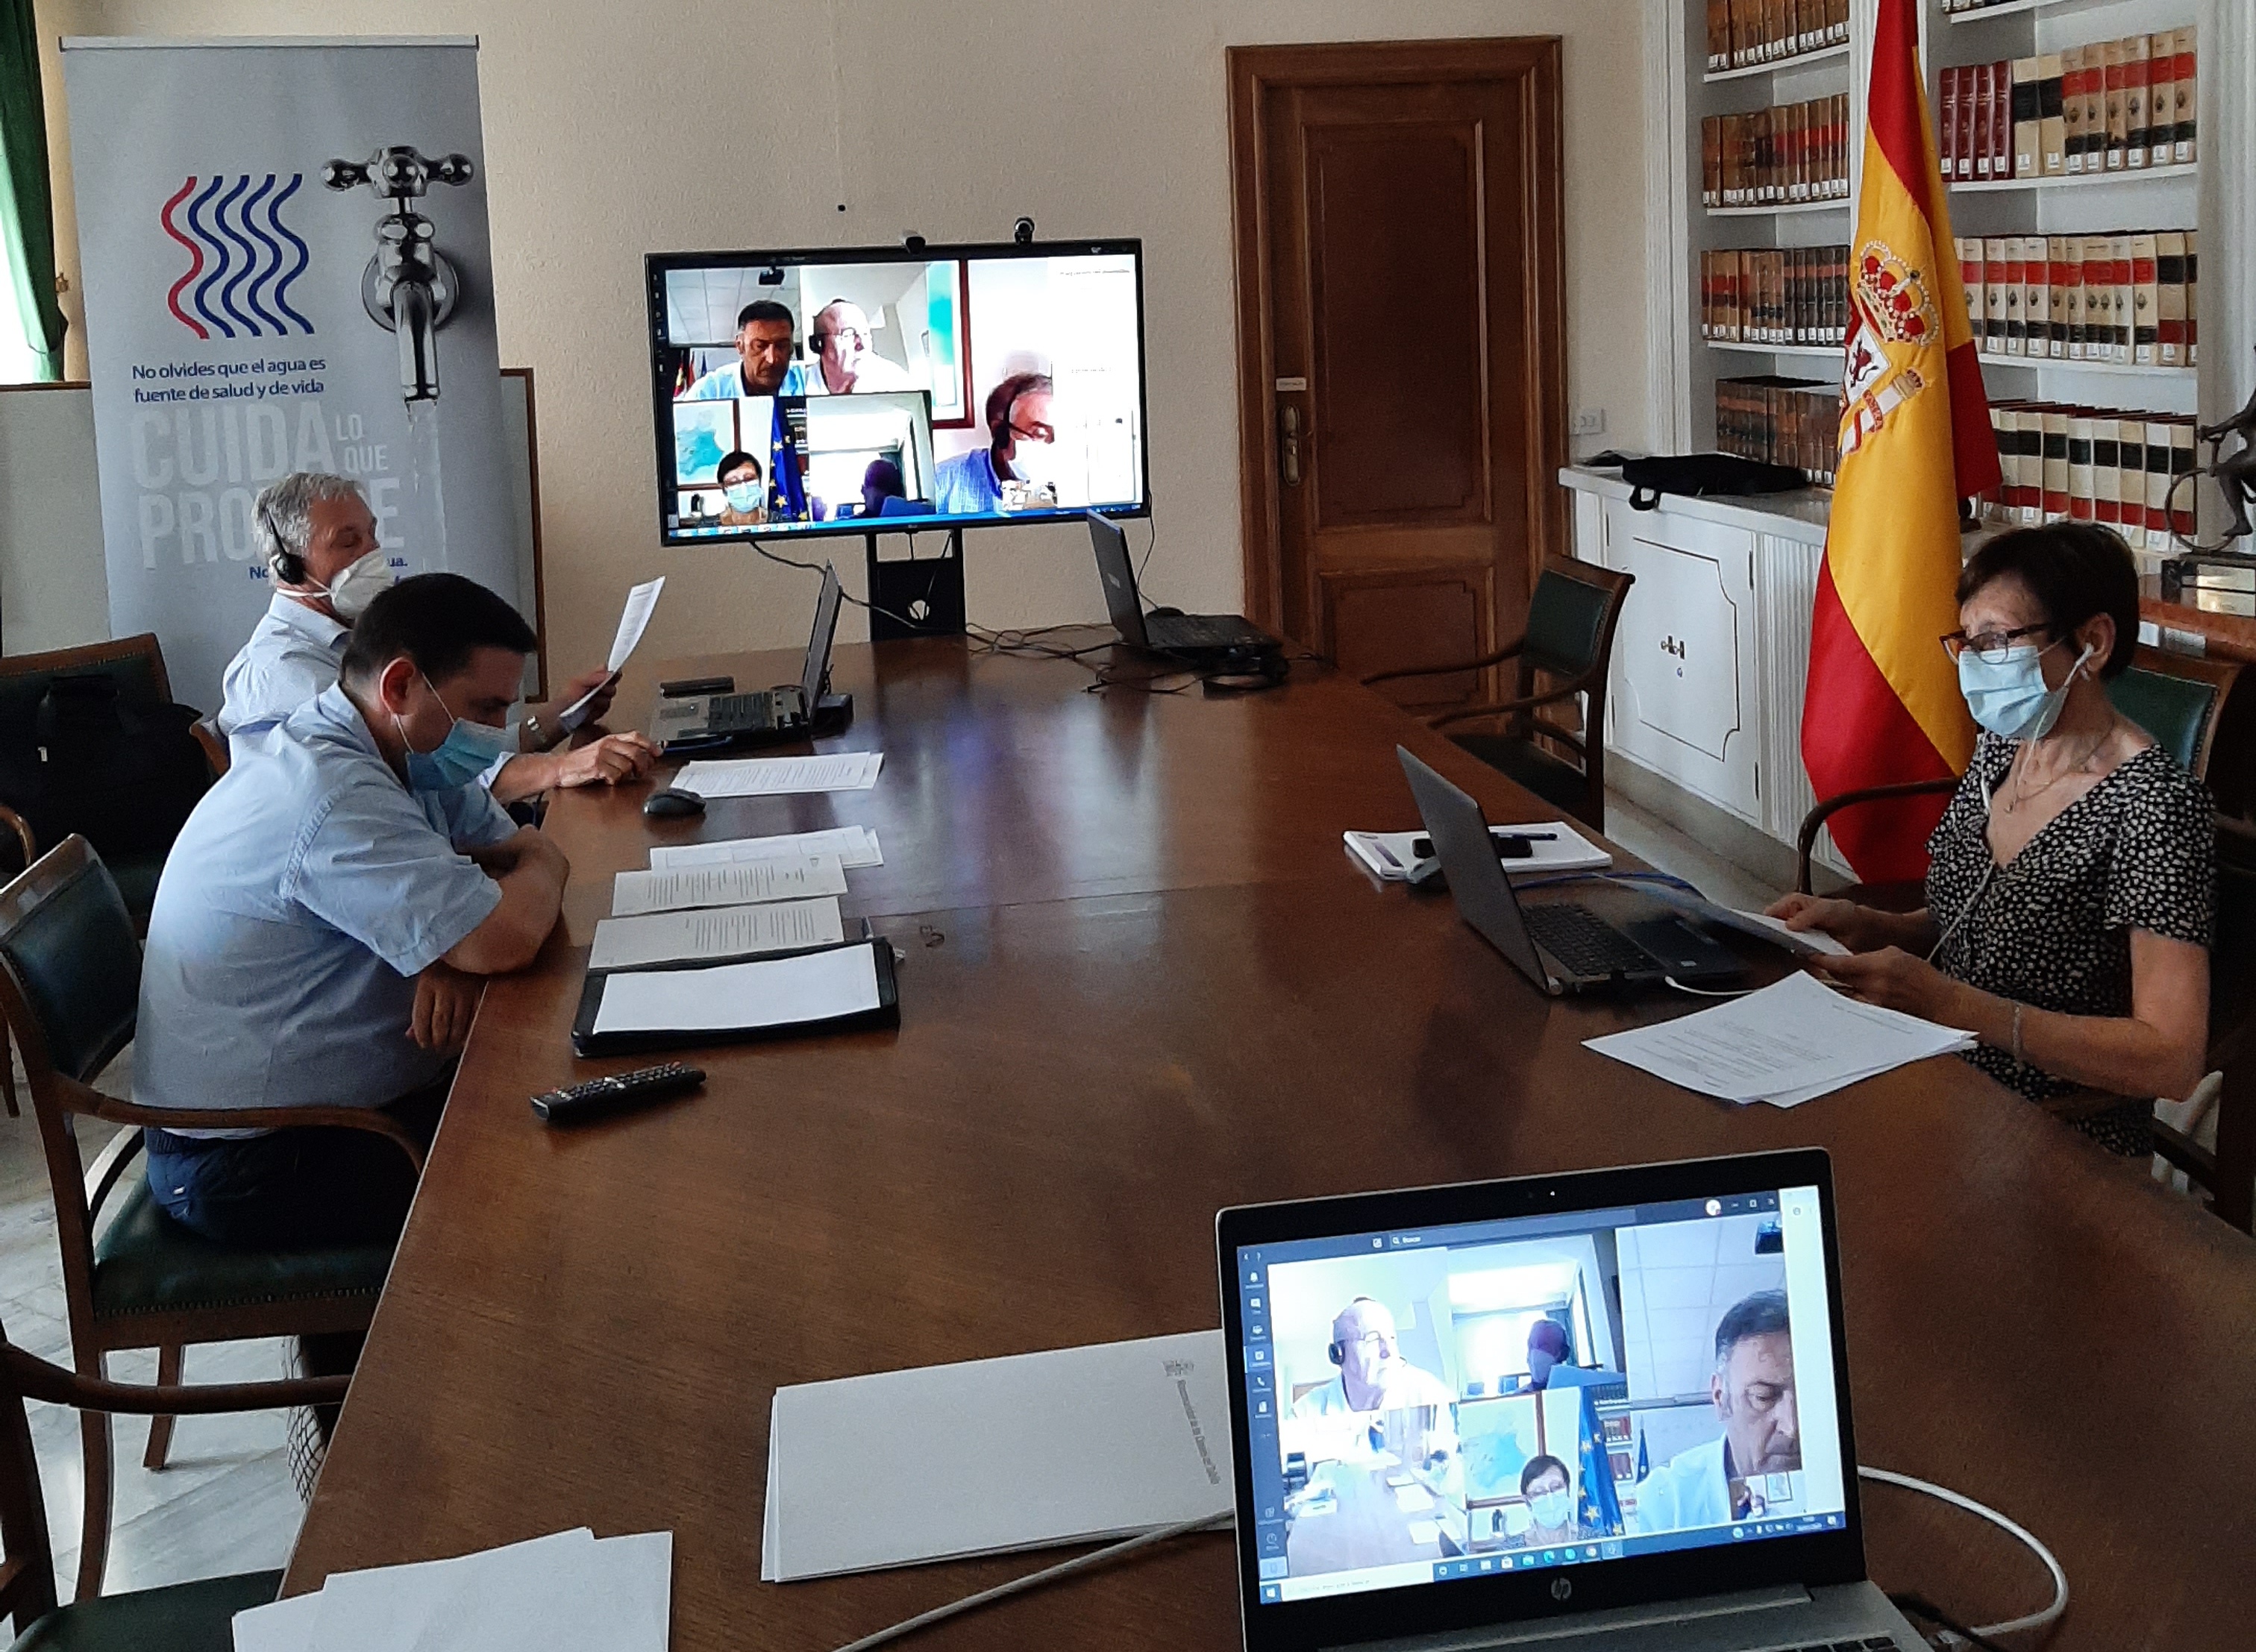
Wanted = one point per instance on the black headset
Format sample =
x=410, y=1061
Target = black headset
x=288, y=566
x=1338, y=1354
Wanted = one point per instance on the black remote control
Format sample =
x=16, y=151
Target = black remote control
x=600, y=1096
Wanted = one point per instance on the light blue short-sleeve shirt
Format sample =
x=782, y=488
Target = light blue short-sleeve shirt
x=726, y=384
x=294, y=653
x=967, y=485
x=307, y=890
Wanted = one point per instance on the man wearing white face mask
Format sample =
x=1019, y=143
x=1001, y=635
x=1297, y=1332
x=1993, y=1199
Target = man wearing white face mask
x=2070, y=888
x=1018, y=414
x=318, y=539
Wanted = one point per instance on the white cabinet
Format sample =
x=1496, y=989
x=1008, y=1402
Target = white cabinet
x=1683, y=694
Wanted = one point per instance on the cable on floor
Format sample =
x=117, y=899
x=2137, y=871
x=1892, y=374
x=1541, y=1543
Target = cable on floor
x=1036, y=1579
x=1958, y=1499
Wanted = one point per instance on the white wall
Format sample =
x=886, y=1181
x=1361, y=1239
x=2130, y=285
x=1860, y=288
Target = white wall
x=612, y=131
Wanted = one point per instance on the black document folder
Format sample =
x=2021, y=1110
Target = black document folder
x=586, y=1041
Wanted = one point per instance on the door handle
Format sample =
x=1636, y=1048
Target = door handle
x=1289, y=446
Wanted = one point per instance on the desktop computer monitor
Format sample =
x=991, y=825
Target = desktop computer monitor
x=799, y=393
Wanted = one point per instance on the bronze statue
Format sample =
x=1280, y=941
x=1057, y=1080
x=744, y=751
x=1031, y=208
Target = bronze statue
x=2235, y=476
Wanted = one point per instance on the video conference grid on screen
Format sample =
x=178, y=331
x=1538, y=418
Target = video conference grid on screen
x=799, y=397
x=1470, y=1400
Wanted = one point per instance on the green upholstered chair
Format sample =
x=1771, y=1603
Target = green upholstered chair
x=70, y=975
x=2176, y=697
x=188, y=1617
x=2227, y=1171
x=1571, y=620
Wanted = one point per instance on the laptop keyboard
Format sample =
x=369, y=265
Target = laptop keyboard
x=1202, y=631
x=1583, y=942
x=741, y=710
x=1870, y=1643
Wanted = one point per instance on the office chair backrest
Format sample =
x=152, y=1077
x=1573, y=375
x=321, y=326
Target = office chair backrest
x=2177, y=699
x=71, y=961
x=134, y=664
x=2232, y=961
x=1567, y=618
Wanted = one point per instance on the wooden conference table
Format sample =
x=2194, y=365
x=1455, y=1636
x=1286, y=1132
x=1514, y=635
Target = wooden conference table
x=1144, y=982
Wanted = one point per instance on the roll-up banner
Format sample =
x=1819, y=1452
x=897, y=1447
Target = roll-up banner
x=286, y=267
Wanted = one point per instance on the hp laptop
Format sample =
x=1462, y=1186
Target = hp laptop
x=1190, y=636
x=1685, y=1480
x=1561, y=946
x=766, y=716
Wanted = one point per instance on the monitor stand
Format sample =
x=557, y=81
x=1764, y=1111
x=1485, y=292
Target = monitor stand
x=914, y=595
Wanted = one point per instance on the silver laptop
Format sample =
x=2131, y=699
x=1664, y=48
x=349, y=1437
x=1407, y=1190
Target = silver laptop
x=1561, y=946
x=1191, y=636
x=763, y=716
x=1679, y=1476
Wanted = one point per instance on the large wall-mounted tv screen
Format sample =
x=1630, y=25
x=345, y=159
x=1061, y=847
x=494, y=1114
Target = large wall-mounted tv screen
x=870, y=390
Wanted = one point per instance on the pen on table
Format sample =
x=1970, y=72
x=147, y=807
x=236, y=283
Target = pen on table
x=1525, y=837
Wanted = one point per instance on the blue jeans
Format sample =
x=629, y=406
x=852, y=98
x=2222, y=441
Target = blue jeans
x=294, y=1189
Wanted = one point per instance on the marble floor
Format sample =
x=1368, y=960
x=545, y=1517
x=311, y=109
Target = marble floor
x=225, y=1502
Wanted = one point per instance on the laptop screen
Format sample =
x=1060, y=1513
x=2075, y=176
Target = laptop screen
x=1435, y=1404
x=817, y=664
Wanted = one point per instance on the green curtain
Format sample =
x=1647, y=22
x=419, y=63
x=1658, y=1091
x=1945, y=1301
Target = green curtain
x=27, y=217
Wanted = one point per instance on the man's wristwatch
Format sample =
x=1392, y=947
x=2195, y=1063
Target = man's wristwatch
x=531, y=736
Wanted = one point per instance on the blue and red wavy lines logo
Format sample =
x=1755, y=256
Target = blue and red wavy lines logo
x=242, y=257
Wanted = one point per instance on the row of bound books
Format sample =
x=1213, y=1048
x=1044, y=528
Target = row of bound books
x=2106, y=298
x=1795, y=295
x=1794, y=152
x=2094, y=465
x=1744, y=32
x=2117, y=107
x=1782, y=421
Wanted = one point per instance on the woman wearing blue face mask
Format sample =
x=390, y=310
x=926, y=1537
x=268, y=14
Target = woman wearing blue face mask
x=745, y=499
x=1550, y=1508
x=2070, y=890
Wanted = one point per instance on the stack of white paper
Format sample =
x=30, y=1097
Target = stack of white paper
x=718, y=932
x=1794, y=1040
x=1067, y=1447
x=569, y=1592
x=769, y=992
x=774, y=776
x=853, y=846
x=732, y=883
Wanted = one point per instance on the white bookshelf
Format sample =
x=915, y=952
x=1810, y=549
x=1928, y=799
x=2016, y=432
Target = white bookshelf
x=2021, y=8
x=1781, y=209
x=2147, y=177
x=1800, y=60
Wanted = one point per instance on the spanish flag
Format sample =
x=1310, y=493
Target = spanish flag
x=1884, y=705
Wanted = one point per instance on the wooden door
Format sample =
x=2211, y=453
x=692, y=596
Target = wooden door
x=1401, y=346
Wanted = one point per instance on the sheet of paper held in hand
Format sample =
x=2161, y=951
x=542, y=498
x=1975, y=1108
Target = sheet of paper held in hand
x=717, y=931
x=994, y=1455
x=853, y=846
x=774, y=776
x=634, y=620
x=770, y=992
x=1795, y=1039
x=737, y=884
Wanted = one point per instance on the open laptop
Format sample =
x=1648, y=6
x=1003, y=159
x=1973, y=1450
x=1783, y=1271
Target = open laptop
x=1190, y=636
x=1401, y=1484
x=1561, y=946
x=764, y=716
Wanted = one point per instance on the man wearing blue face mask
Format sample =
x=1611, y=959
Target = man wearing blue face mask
x=327, y=921
x=318, y=538
x=2070, y=889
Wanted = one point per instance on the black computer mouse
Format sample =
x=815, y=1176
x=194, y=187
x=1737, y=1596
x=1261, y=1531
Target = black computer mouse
x=669, y=805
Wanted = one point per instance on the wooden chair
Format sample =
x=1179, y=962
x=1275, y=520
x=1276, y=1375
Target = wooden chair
x=186, y=1617
x=70, y=974
x=1571, y=620
x=2228, y=1172
x=2176, y=697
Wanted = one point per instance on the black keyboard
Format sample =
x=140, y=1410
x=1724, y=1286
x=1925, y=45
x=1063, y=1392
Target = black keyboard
x=1203, y=630
x=734, y=714
x=1584, y=942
